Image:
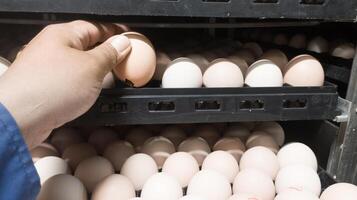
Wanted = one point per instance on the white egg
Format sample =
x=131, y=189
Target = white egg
x=117, y=152
x=345, y=191
x=191, y=197
x=114, y=187
x=50, y=166
x=162, y=186
x=4, y=65
x=197, y=147
x=243, y=197
x=200, y=60
x=232, y=145
x=182, y=73
x=241, y=63
x=255, y=48
x=260, y=138
x=264, y=73
x=292, y=194
x=159, y=148
x=276, y=56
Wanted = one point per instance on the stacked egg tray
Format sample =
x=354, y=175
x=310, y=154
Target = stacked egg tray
x=327, y=10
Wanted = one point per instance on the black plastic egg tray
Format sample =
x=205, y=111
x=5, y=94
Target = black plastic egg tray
x=152, y=105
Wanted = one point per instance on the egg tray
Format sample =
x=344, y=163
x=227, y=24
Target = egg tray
x=327, y=10
x=150, y=105
x=326, y=179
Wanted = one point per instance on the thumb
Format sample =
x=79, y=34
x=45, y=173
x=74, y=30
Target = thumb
x=110, y=53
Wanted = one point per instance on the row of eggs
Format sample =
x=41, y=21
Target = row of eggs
x=252, y=175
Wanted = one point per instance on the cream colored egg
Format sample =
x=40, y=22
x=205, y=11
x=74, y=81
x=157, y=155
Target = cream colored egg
x=174, y=133
x=64, y=137
x=92, y=171
x=262, y=159
x=223, y=73
x=182, y=73
x=137, y=137
x=209, y=185
x=237, y=130
x=117, y=153
x=277, y=57
x=43, y=150
x=162, y=62
x=108, y=81
x=281, y=39
x=298, y=177
x=232, y=145
x=159, y=148
x=264, y=73
x=345, y=191
x=182, y=166
x=4, y=65
x=50, y=166
x=255, y=183
x=139, y=168
x=260, y=138
x=318, y=45
x=76, y=153
x=304, y=70
x=208, y=133
x=246, y=55
x=344, y=50
x=298, y=41
x=161, y=186
x=101, y=138
x=114, y=187
x=255, y=48
x=223, y=163
x=200, y=60
x=297, y=153
x=197, y=147
x=62, y=187
x=243, y=197
x=292, y=194
x=274, y=129
x=240, y=62
x=138, y=67
x=191, y=197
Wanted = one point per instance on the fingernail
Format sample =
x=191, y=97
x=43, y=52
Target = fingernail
x=120, y=43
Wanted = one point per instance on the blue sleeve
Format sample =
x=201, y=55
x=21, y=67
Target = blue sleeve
x=18, y=177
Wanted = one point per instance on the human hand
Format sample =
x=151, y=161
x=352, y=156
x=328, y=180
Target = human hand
x=58, y=76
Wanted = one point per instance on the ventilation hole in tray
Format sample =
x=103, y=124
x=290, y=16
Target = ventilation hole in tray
x=265, y=1
x=251, y=105
x=297, y=103
x=114, y=107
x=161, y=106
x=207, y=105
x=217, y=1
x=312, y=2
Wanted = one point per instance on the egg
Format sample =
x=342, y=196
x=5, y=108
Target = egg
x=264, y=73
x=243, y=197
x=223, y=73
x=64, y=137
x=318, y=45
x=139, y=168
x=259, y=138
x=208, y=133
x=292, y=194
x=345, y=191
x=277, y=57
x=304, y=70
x=197, y=147
x=182, y=73
x=108, y=81
x=114, y=187
x=255, y=183
x=281, y=39
x=262, y=159
x=209, y=185
x=162, y=62
x=159, y=148
x=136, y=198
x=255, y=48
x=182, y=166
x=246, y=55
x=62, y=187
x=117, y=153
x=76, y=153
x=298, y=177
x=344, y=50
x=4, y=65
x=237, y=130
x=162, y=186
x=200, y=60
x=101, y=138
x=138, y=67
x=223, y=163
x=137, y=137
x=43, y=150
x=174, y=133
x=92, y=171
x=274, y=129
x=191, y=197
x=232, y=145
x=298, y=41
x=297, y=153
x=241, y=63
x=50, y=166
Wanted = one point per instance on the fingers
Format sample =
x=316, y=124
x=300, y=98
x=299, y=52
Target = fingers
x=110, y=53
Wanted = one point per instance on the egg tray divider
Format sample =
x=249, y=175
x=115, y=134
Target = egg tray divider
x=147, y=105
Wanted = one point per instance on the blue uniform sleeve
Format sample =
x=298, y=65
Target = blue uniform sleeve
x=18, y=177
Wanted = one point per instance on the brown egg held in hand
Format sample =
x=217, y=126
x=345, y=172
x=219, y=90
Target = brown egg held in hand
x=117, y=152
x=76, y=153
x=114, y=187
x=139, y=66
x=43, y=150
